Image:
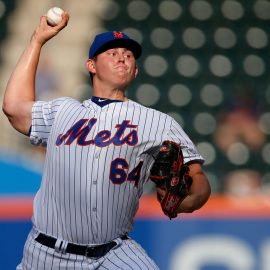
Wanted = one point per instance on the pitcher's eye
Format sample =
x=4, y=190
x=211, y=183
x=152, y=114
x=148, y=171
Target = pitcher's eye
x=111, y=52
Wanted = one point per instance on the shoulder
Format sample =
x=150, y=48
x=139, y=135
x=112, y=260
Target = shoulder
x=67, y=100
x=64, y=102
x=54, y=102
x=148, y=109
x=53, y=106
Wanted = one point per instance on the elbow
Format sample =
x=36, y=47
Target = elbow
x=201, y=197
x=197, y=201
x=9, y=110
x=6, y=109
x=19, y=115
x=193, y=205
x=201, y=201
x=199, y=192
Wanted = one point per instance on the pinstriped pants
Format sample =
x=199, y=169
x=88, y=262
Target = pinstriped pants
x=126, y=255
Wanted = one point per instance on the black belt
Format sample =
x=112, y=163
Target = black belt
x=89, y=251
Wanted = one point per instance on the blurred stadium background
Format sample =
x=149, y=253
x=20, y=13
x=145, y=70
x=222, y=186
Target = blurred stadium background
x=207, y=64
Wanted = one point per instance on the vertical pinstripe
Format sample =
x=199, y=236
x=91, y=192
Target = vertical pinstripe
x=79, y=200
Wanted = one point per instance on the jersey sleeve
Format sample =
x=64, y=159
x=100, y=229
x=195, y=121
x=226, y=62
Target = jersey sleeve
x=177, y=134
x=43, y=115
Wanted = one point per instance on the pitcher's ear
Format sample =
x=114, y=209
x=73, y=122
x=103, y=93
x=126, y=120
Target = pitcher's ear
x=90, y=66
x=136, y=71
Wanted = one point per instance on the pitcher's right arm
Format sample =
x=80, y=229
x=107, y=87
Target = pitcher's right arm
x=20, y=90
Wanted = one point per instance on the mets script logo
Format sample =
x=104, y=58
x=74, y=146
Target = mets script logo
x=125, y=133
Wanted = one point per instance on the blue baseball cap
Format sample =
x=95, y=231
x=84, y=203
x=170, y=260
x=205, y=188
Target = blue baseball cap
x=114, y=39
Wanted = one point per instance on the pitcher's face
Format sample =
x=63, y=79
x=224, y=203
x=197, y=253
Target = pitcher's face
x=116, y=66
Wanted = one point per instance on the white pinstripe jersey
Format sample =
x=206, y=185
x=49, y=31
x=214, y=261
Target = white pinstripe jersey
x=97, y=160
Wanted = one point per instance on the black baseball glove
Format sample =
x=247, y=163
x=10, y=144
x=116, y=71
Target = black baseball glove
x=170, y=174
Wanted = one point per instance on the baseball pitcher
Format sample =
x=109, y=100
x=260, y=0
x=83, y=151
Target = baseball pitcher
x=100, y=153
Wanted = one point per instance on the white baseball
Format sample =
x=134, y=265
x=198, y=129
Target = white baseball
x=54, y=16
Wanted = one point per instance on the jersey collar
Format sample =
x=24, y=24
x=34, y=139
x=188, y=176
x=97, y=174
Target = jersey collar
x=103, y=101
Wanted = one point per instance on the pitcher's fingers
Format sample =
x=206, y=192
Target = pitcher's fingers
x=64, y=21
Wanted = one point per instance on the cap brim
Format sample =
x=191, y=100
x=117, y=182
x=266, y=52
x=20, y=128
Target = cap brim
x=122, y=43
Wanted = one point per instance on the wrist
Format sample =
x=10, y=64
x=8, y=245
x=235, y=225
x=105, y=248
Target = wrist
x=35, y=41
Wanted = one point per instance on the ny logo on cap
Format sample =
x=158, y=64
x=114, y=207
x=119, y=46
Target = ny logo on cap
x=118, y=34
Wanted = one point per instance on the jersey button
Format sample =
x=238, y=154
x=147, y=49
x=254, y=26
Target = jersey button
x=94, y=209
x=94, y=182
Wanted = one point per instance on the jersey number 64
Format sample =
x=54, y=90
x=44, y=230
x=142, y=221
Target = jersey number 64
x=119, y=172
